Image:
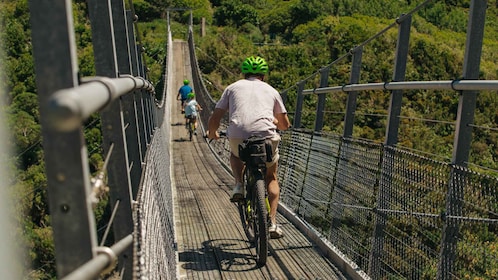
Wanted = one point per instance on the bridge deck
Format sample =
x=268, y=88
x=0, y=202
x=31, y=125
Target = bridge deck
x=211, y=241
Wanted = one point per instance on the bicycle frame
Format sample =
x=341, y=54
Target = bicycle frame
x=190, y=127
x=254, y=208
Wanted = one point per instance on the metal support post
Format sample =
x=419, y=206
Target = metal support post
x=128, y=114
x=353, y=95
x=398, y=76
x=138, y=94
x=71, y=213
x=339, y=179
x=127, y=101
x=374, y=267
x=113, y=125
x=299, y=105
x=324, y=82
x=463, y=138
x=143, y=102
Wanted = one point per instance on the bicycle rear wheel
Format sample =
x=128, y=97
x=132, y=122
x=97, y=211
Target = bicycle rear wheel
x=246, y=219
x=260, y=222
x=191, y=129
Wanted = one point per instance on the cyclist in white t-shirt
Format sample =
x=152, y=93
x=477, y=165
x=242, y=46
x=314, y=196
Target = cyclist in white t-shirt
x=254, y=108
x=192, y=108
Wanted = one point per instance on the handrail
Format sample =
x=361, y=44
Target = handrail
x=449, y=85
x=103, y=263
x=68, y=108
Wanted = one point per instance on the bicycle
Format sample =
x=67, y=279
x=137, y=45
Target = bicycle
x=254, y=208
x=190, y=126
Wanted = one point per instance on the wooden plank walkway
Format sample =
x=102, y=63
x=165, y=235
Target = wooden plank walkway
x=211, y=241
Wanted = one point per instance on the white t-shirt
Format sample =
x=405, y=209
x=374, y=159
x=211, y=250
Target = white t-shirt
x=191, y=108
x=252, y=105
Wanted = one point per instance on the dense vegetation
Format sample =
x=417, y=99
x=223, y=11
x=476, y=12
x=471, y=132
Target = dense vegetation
x=297, y=37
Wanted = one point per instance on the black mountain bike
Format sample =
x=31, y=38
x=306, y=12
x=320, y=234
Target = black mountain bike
x=254, y=208
x=190, y=126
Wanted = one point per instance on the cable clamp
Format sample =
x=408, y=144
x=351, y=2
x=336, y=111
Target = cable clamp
x=343, y=86
x=113, y=259
x=453, y=84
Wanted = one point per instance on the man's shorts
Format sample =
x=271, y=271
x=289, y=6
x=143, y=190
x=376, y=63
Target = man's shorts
x=275, y=140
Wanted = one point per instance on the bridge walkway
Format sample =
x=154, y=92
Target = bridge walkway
x=210, y=238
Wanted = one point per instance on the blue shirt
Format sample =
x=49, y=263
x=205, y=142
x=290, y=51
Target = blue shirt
x=184, y=90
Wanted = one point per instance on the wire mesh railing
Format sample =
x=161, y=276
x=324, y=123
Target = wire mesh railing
x=130, y=115
x=336, y=188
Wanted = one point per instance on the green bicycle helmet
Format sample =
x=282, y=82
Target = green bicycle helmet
x=254, y=65
x=190, y=95
x=186, y=82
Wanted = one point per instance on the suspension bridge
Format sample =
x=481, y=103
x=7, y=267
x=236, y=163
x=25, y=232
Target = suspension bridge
x=350, y=208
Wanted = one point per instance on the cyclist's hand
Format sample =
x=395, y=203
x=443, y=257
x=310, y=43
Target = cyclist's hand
x=213, y=135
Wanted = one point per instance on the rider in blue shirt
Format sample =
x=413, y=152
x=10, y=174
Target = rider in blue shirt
x=183, y=92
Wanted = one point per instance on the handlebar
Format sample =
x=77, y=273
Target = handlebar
x=221, y=133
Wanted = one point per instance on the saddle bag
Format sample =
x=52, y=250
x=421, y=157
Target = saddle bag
x=256, y=151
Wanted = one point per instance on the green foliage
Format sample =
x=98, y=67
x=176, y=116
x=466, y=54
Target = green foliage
x=146, y=11
x=86, y=62
x=21, y=70
x=306, y=11
x=32, y=207
x=93, y=138
x=42, y=252
x=445, y=16
x=27, y=133
x=154, y=41
x=275, y=18
x=200, y=9
x=234, y=12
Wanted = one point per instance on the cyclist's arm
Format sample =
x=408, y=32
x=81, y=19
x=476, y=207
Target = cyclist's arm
x=214, y=123
x=282, y=121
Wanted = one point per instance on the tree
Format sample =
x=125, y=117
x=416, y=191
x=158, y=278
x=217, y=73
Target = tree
x=234, y=12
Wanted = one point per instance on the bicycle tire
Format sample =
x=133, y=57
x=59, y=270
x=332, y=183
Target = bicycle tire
x=260, y=222
x=244, y=207
x=245, y=217
x=190, y=129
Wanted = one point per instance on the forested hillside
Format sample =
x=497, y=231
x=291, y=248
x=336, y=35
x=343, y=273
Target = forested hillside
x=297, y=37
x=300, y=37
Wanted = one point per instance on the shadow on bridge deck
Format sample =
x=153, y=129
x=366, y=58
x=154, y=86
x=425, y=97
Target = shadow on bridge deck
x=211, y=241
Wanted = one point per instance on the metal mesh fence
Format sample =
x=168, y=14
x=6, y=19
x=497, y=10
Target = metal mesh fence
x=156, y=246
x=387, y=209
x=155, y=252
